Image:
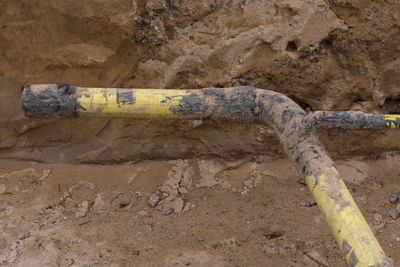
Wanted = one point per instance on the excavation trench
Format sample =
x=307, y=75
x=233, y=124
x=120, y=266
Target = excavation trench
x=296, y=130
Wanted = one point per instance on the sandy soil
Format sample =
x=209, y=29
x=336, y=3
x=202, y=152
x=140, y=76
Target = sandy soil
x=182, y=213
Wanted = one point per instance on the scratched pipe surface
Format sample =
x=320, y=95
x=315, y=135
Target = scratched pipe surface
x=296, y=131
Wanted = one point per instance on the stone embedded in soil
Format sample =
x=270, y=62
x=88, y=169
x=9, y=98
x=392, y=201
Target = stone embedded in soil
x=165, y=210
x=187, y=207
x=273, y=234
x=142, y=213
x=83, y=209
x=394, y=214
x=154, y=199
x=175, y=205
x=46, y=174
x=23, y=235
x=121, y=200
x=378, y=218
x=392, y=198
x=268, y=233
x=308, y=202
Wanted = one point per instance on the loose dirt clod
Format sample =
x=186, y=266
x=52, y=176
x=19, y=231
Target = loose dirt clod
x=394, y=214
x=308, y=202
x=392, y=198
x=154, y=199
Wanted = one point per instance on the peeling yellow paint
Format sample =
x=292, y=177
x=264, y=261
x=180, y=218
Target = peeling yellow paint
x=392, y=121
x=147, y=103
x=345, y=219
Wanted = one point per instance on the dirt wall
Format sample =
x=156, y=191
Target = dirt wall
x=326, y=55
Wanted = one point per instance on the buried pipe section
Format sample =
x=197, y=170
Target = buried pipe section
x=296, y=130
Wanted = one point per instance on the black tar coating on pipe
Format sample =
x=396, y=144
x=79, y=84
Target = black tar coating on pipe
x=56, y=100
x=250, y=104
x=350, y=120
x=125, y=97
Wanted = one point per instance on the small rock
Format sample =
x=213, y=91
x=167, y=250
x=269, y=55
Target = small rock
x=197, y=123
x=154, y=200
x=176, y=205
x=378, y=217
x=23, y=235
x=187, y=207
x=308, y=202
x=392, y=198
x=121, y=201
x=273, y=234
x=398, y=208
x=166, y=210
x=46, y=173
x=268, y=233
x=142, y=213
x=83, y=209
x=136, y=252
x=394, y=214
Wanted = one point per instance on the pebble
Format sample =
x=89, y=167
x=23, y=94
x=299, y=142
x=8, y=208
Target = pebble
x=392, y=198
x=23, y=235
x=308, y=202
x=83, y=209
x=394, y=214
x=378, y=217
x=142, y=213
x=46, y=173
x=154, y=200
x=167, y=210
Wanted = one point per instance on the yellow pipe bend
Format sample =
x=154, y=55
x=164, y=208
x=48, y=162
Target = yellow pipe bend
x=298, y=138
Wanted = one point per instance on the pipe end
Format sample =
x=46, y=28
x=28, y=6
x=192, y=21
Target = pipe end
x=49, y=101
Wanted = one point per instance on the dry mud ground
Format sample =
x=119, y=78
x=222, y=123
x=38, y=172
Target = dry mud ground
x=182, y=213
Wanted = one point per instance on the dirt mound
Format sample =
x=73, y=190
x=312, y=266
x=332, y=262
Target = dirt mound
x=326, y=55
